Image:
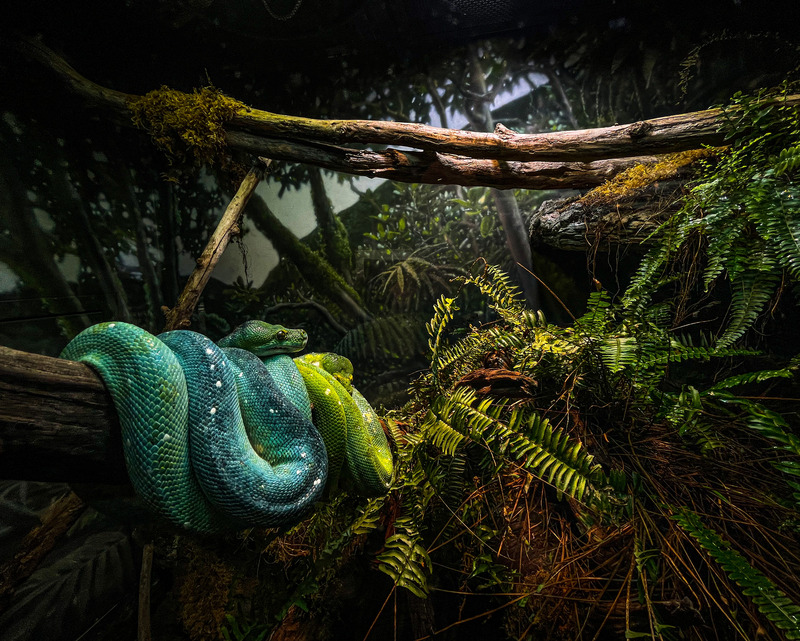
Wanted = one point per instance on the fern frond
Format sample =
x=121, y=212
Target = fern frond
x=787, y=161
x=751, y=291
x=619, y=352
x=503, y=294
x=406, y=562
x=751, y=377
x=773, y=426
x=436, y=429
x=599, y=313
x=767, y=597
x=521, y=435
x=777, y=215
x=369, y=517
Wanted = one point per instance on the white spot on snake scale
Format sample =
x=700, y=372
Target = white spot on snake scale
x=211, y=367
x=219, y=383
x=318, y=481
x=209, y=350
x=327, y=391
x=302, y=455
x=112, y=326
x=213, y=410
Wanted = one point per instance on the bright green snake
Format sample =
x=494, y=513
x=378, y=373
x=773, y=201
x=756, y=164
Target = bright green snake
x=220, y=436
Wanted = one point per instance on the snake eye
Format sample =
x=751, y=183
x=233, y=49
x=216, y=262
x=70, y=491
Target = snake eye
x=280, y=335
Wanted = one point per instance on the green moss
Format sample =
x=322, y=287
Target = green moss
x=188, y=127
x=633, y=180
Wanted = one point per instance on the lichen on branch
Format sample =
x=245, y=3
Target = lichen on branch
x=189, y=128
x=633, y=180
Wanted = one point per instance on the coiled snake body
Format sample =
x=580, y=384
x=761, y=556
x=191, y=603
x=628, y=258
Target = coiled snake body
x=219, y=436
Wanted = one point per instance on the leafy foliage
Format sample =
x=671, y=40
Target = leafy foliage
x=71, y=593
x=744, y=209
x=619, y=386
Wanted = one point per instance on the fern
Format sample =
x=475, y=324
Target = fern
x=774, y=427
x=751, y=291
x=767, y=597
x=787, y=161
x=619, y=352
x=598, y=315
x=750, y=377
x=405, y=560
x=369, y=517
x=503, y=295
x=443, y=309
x=521, y=435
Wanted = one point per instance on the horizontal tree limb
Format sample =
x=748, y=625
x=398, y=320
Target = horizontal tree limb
x=57, y=422
x=654, y=136
x=435, y=168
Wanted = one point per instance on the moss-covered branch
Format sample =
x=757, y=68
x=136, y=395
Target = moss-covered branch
x=245, y=127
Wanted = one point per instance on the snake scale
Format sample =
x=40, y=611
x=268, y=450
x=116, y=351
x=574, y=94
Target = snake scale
x=235, y=434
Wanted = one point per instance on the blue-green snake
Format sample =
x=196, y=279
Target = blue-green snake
x=220, y=436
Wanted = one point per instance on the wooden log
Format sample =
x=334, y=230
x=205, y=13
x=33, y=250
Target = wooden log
x=577, y=225
x=437, y=168
x=57, y=422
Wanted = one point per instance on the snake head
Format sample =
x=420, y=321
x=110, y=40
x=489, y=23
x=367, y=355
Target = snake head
x=265, y=339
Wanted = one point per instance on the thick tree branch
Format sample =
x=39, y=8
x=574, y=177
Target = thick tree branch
x=654, y=136
x=438, y=169
x=57, y=422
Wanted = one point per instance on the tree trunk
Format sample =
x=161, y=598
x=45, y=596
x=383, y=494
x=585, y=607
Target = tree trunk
x=334, y=235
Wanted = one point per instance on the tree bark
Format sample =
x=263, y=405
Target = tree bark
x=57, y=422
x=573, y=224
x=437, y=168
x=334, y=235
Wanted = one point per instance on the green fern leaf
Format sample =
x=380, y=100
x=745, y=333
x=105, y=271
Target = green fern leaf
x=407, y=563
x=751, y=291
x=768, y=598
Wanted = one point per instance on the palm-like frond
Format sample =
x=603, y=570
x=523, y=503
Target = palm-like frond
x=393, y=337
x=409, y=282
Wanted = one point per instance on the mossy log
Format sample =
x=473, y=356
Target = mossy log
x=625, y=210
x=578, y=224
x=57, y=422
x=446, y=152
